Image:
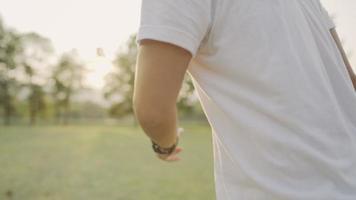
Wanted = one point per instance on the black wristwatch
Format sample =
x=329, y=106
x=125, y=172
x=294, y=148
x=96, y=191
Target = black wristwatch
x=162, y=150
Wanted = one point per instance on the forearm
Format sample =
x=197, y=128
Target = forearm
x=159, y=77
x=344, y=57
x=160, y=125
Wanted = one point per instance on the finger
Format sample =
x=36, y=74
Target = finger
x=178, y=150
x=165, y=157
x=169, y=157
x=174, y=155
x=172, y=158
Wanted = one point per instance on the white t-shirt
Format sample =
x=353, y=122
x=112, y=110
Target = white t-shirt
x=275, y=90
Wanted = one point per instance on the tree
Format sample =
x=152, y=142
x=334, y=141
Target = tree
x=186, y=98
x=67, y=78
x=36, y=102
x=35, y=54
x=10, y=44
x=119, y=83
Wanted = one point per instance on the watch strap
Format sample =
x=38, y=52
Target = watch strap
x=164, y=150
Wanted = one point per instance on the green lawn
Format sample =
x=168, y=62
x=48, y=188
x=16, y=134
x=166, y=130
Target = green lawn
x=102, y=162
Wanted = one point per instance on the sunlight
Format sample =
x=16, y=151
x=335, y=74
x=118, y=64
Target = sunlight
x=98, y=67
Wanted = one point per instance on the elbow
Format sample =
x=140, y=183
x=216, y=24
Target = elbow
x=148, y=115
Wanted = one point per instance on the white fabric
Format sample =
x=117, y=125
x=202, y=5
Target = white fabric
x=275, y=90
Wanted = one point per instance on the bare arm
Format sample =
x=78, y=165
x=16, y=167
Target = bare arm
x=159, y=75
x=346, y=61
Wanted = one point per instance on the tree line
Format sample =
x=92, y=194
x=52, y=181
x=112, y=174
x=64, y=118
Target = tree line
x=25, y=86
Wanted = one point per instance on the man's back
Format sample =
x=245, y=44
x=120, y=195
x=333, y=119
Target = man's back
x=275, y=90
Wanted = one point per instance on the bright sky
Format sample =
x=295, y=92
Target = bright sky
x=81, y=24
x=89, y=24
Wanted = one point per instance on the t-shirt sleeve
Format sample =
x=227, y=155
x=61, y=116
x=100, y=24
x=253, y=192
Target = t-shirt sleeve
x=180, y=22
x=326, y=17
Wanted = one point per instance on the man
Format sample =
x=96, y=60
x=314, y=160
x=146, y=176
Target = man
x=274, y=83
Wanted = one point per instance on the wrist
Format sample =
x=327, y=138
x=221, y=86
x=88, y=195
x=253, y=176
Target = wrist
x=168, y=139
x=164, y=149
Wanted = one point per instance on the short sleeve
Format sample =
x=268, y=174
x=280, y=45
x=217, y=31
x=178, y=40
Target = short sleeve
x=326, y=17
x=180, y=22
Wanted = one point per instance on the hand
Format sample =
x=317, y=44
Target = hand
x=173, y=156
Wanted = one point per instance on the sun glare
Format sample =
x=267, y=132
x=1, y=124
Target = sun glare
x=98, y=67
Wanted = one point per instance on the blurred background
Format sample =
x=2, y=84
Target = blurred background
x=67, y=126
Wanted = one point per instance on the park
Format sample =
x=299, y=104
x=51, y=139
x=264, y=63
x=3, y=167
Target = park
x=68, y=132
x=264, y=92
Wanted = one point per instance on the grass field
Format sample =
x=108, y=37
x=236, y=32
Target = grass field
x=96, y=162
